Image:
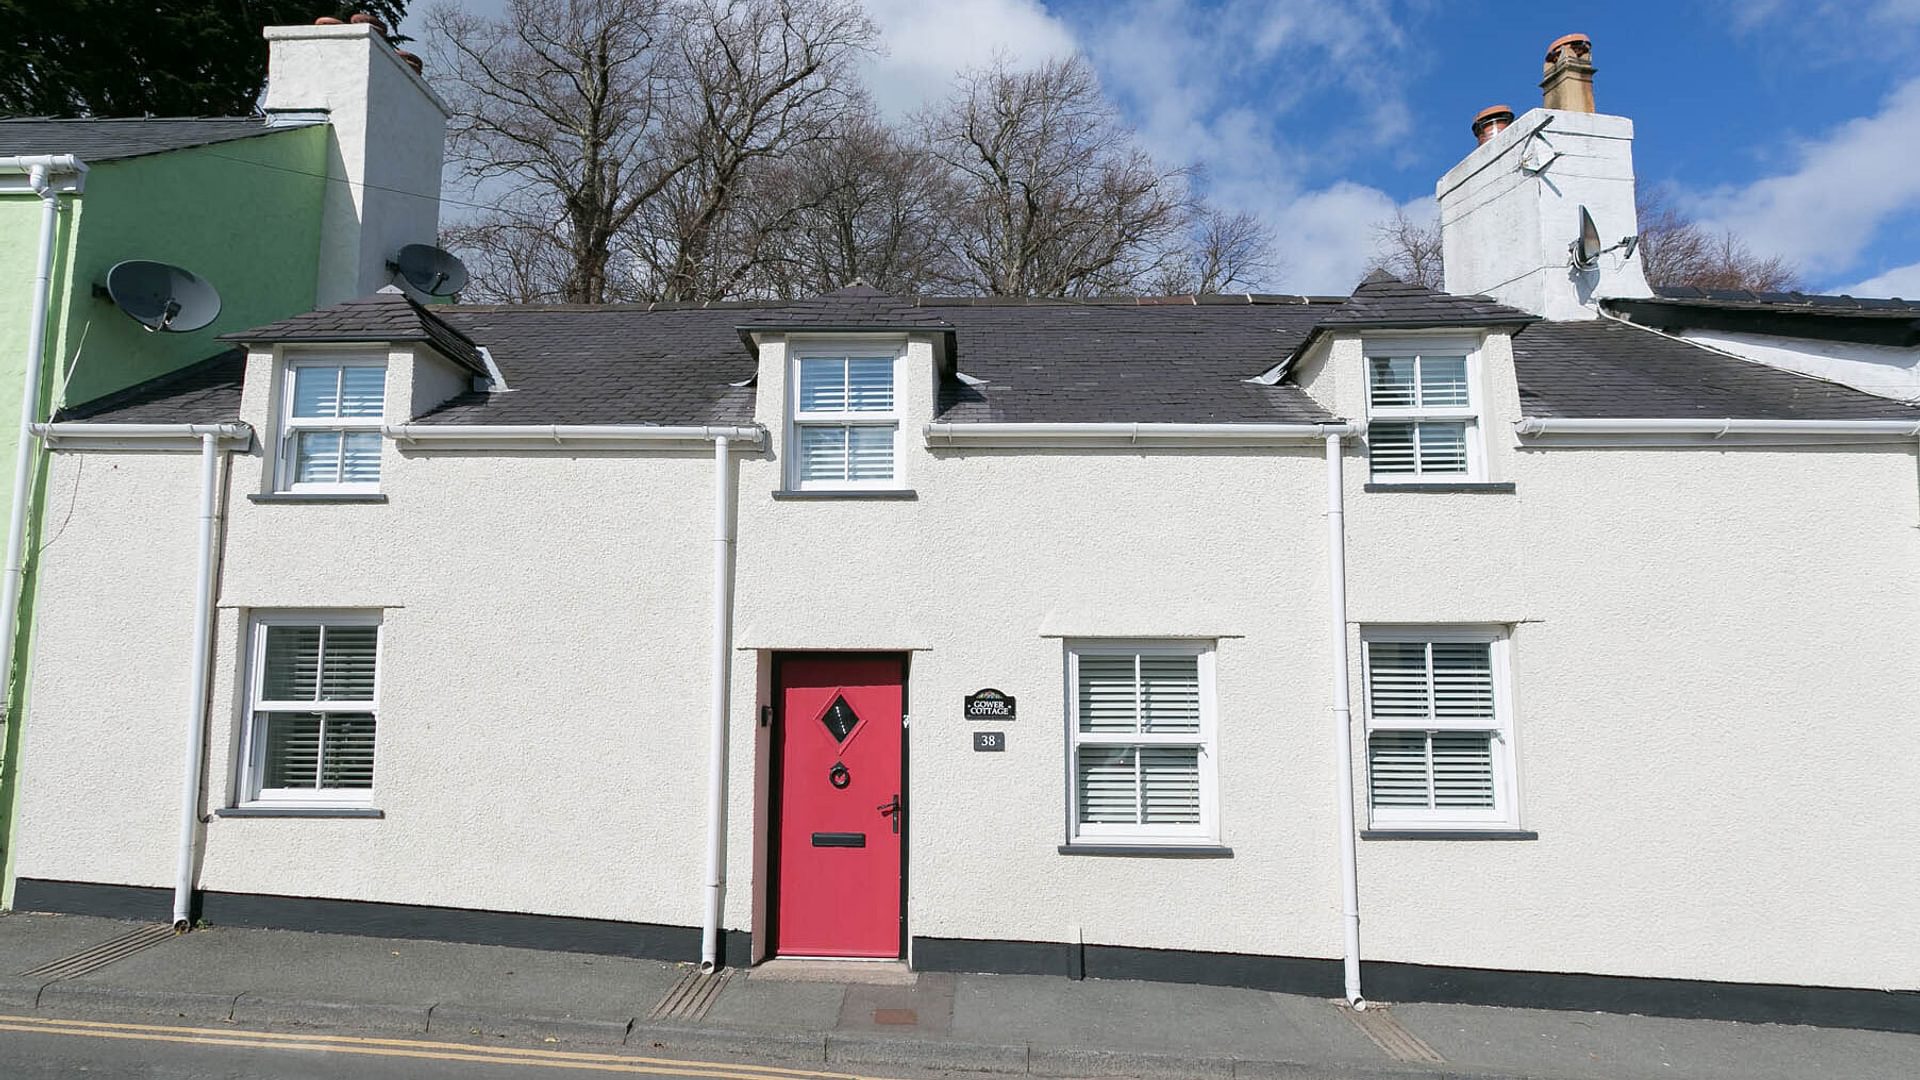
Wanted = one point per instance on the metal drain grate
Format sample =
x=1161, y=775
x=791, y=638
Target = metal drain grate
x=99, y=956
x=691, y=996
x=1395, y=1041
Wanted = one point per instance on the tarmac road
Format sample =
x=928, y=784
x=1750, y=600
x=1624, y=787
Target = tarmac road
x=46, y=1048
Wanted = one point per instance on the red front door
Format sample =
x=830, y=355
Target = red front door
x=837, y=882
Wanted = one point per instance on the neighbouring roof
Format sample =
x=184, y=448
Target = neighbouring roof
x=112, y=139
x=384, y=316
x=1176, y=360
x=1862, y=320
x=205, y=393
x=1604, y=368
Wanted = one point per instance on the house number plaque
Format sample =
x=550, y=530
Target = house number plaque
x=989, y=705
x=990, y=740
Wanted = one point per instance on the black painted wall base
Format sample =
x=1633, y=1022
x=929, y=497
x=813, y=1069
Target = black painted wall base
x=1759, y=1003
x=554, y=932
x=1685, y=998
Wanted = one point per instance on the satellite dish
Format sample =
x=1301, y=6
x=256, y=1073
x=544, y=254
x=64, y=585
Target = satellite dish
x=430, y=270
x=1586, y=250
x=159, y=296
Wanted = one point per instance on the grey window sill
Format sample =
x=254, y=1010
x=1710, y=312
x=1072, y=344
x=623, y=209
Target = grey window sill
x=1467, y=488
x=1167, y=851
x=1449, y=834
x=299, y=812
x=317, y=497
x=893, y=495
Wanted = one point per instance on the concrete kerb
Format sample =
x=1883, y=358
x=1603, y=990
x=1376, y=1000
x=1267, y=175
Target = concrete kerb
x=452, y=1017
x=250, y=1008
x=69, y=996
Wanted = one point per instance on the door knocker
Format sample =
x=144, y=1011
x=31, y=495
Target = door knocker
x=838, y=776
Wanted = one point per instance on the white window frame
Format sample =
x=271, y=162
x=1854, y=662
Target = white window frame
x=1099, y=834
x=1470, y=413
x=253, y=748
x=291, y=426
x=1505, y=813
x=891, y=348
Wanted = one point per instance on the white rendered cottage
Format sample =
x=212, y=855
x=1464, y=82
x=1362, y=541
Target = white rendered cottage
x=1620, y=696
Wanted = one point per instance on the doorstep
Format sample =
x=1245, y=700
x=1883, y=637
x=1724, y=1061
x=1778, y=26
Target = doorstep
x=853, y=972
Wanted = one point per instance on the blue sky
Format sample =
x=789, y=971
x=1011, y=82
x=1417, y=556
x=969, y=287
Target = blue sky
x=1794, y=122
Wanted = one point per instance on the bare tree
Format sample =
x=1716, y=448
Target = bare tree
x=1055, y=196
x=1675, y=250
x=765, y=78
x=1409, y=250
x=1227, y=253
x=627, y=130
x=865, y=207
x=561, y=110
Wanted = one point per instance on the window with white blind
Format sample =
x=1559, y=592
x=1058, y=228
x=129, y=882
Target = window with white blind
x=1439, y=738
x=845, y=431
x=1423, y=420
x=1142, y=735
x=312, y=710
x=330, y=426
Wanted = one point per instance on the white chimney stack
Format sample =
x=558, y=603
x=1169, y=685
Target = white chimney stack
x=1510, y=212
x=389, y=135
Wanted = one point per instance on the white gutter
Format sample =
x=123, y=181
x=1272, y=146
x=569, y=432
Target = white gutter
x=1119, y=435
x=750, y=437
x=723, y=546
x=197, y=673
x=40, y=171
x=1816, y=429
x=81, y=435
x=1343, y=718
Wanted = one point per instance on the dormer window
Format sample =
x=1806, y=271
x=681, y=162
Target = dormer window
x=1423, y=416
x=330, y=426
x=845, y=430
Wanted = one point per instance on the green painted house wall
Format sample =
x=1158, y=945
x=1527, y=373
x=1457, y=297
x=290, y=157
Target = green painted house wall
x=245, y=215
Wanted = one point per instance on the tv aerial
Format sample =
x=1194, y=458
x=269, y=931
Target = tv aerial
x=430, y=270
x=1586, y=250
x=160, y=296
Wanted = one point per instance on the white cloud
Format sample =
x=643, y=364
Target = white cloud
x=923, y=44
x=1901, y=281
x=1824, y=213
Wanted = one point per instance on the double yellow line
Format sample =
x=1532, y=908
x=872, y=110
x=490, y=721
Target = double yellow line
x=410, y=1048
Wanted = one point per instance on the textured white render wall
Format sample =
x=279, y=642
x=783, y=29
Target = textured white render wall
x=1505, y=229
x=389, y=131
x=107, y=721
x=1887, y=370
x=1712, y=651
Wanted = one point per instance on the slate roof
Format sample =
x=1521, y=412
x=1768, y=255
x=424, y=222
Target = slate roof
x=1603, y=368
x=854, y=307
x=113, y=139
x=1179, y=360
x=205, y=393
x=384, y=316
x=1383, y=301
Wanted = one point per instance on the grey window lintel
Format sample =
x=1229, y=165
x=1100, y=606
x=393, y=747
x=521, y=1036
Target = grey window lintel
x=299, y=812
x=1449, y=834
x=880, y=495
x=1506, y=488
x=1184, y=851
x=316, y=497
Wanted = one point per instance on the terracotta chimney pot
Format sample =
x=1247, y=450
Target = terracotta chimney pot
x=412, y=61
x=328, y=20
x=370, y=20
x=1567, y=76
x=1491, y=121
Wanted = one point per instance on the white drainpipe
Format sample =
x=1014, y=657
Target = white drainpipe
x=723, y=539
x=40, y=171
x=197, y=693
x=1343, y=714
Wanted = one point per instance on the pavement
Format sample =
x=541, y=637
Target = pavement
x=854, y=1016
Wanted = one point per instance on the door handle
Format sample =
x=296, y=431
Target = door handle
x=891, y=808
